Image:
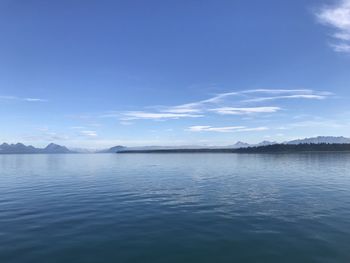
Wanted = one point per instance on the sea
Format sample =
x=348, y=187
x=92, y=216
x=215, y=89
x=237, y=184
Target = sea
x=192, y=207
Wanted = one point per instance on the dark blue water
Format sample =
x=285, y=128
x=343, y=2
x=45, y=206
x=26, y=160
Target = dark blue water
x=175, y=208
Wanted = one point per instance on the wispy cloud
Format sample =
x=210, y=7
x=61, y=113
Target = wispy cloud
x=125, y=123
x=278, y=91
x=259, y=95
x=242, y=111
x=297, y=96
x=48, y=136
x=138, y=115
x=222, y=104
x=254, y=129
x=216, y=129
x=33, y=100
x=199, y=106
x=22, y=99
x=341, y=47
x=225, y=129
x=338, y=17
x=89, y=133
x=202, y=105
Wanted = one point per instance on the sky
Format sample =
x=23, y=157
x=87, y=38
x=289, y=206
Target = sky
x=99, y=73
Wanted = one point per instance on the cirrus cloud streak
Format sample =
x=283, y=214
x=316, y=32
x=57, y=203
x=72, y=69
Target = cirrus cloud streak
x=207, y=128
x=141, y=115
x=241, y=111
x=14, y=98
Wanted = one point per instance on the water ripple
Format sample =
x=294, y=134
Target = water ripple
x=175, y=208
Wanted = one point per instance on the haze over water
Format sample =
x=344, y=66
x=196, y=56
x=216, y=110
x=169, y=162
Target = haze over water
x=175, y=208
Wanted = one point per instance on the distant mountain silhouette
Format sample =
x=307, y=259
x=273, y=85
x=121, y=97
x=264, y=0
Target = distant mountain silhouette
x=141, y=148
x=55, y=148
x=113, y=149
x=17, y=148
x=239, y=144
x=265, y=143
x=20, y=148
x=313, y=140
x=321, y=139
x=302, y=147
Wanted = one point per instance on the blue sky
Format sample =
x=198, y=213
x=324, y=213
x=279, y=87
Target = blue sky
x=101, y=73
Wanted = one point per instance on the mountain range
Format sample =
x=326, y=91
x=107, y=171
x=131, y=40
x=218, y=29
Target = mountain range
x=20, y=148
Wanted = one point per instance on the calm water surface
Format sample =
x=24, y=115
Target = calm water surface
x=175, y=208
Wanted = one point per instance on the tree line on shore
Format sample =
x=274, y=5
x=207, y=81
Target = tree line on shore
x=274, y=148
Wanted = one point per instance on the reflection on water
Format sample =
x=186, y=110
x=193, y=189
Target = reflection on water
x=175, y=208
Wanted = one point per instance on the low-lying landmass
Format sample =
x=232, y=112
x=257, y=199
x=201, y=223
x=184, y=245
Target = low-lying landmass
x=229, y=148
x=275, y=148
x=320, y=143
x=113, y=149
